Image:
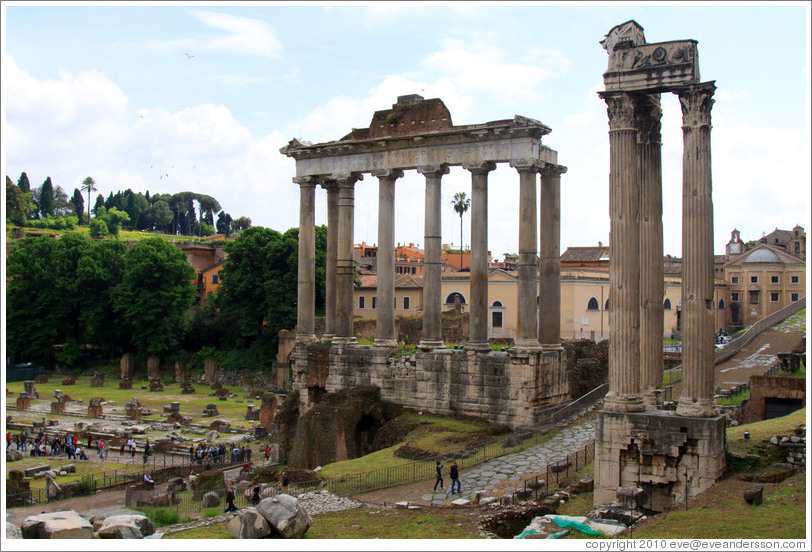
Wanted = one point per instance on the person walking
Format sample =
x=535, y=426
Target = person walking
x=439, y=470
x=455, y=478
x=255, y=496
x=230, y=496
x=285, y=482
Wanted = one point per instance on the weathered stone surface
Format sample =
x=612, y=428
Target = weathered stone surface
x=209, y=480
x=13, y=455
x=248, y=524
x=126, y=527
x=211, y=499
x=57, y=525
x=754, y=495
x=12, y=531
x=285, y=515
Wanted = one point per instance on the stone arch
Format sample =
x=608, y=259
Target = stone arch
x=606, y=305
x=667, y=304
x=452, y=297
x=593, y=304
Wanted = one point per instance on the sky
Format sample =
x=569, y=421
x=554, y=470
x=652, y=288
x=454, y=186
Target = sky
x=201, y=96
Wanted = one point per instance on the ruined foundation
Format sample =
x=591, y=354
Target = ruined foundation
x=514, y=388
x=666, y=455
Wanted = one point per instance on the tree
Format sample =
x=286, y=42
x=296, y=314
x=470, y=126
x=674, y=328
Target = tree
x=78, y=204
x=241, y=223
x=23, y=183
x=99, y=204
x=162, y=214
x=46, y=198
x=461, y=204
x=224, y=223
x=155, y=293
x=61, y=203
x=89, y=186
x=112, y=218
x=18, y=203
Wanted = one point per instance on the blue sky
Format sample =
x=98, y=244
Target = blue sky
x=112, y=92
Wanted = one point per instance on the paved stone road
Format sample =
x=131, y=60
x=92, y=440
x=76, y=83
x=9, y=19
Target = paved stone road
x=508, y=471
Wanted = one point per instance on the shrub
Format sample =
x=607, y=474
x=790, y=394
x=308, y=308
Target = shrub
x=162, y=516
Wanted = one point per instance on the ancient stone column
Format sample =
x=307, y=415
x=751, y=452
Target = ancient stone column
x=344, y=260
x=697, y=253
x=549, y=309
x=651, y=249
x=624, y=277
x=385, y=326
x=330, y=261
x=478, y=314
x=527, y=330
x=306, y=295
x=432, y=259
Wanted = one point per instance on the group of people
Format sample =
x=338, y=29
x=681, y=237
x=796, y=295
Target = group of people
x=207, y=455
x=454, y=472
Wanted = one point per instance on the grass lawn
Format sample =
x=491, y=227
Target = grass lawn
x=83, y=468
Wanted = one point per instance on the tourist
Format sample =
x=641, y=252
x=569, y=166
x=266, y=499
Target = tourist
x=285, y=482
x=267, y=453
x=191, y=454
x=255, y=496
x=455, y=478
x=230, y=496
x=8, y=440
x=439, y=469
x=100, y=446
x=248, y=454
x=80, y=452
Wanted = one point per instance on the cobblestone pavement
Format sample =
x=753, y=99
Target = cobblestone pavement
x=507, y=472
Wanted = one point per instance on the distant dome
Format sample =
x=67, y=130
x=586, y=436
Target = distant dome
x=763, y=256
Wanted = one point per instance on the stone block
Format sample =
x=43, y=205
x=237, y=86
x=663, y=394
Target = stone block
x=57, y=525
x=248, y=524
x=754, y=495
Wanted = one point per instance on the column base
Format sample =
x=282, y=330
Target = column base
x=626, y=403
x=385, y=342
x=695, y=408
x=428, y=344
x=328, y=337
x=306, y=338
x=551, y=347
x=653, y=397
x=481, y=346
x=528, y=345
x=339, y=340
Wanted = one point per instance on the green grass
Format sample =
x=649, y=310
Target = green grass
x=164, y=516
x=734, y=400
x=215, y=531
x=763, y=431
x=83, y=468
x=124, y=235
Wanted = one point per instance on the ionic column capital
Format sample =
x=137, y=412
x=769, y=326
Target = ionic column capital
x=525, y=165
x=482, y=167
x=434, y=171
x=387, y=174
x=696, y=102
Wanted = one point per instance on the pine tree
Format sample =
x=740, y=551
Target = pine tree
x=46, y=198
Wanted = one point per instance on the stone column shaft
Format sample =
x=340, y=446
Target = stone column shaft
x=549, y=309
x=624, y=236
x=697, y=253
x=344, y=260
x=432, y=259
x=527, y=330
x=385, y=326
x=330, y=261
x=651, y=250
x=306, y=288
x=478, y=316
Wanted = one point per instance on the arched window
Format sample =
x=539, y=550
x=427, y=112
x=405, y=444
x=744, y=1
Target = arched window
x=606, y=305
x=667, y=304
x=593, y=304
x=497, y=304
x=452, y=297
x=721, y=304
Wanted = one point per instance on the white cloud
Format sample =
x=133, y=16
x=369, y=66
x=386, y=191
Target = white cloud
x=241, y=35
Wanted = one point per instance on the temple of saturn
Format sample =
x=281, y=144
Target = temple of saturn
x=516, y=387
x=661, y=456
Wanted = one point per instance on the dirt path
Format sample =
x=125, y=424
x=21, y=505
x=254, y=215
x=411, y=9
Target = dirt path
x=757, y=357
x=108, y=503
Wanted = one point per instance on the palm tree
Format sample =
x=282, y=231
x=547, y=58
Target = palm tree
x=89, y=185
x=461, y=204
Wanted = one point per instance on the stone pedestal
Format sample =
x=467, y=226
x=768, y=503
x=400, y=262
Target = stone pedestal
x=247, y=383
x=156, y=386
x=97, y=380
x=23, y=401
x=668, y=456
x=30, y=390
x=267, y=411
x=127, y=365
x=69, y=380
x=42, y=378
x=94, y=409
x=133, y=409
x=125, y=383
x=209, y=367
x=180, y=373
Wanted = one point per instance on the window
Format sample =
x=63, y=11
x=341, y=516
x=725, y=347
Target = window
x=721, y=304
x=753, y=279
x=667, y=304
x=606, y=305
x=215, y=278
x=797, y=247
x=773, y=279
x=398, y=270
x=734, y=279
x=452, y=298
x=405, y=303
x=414, y=270
x=496, y=319
x=793, y=296
x=754, y=297
x=794, y=279
x=374, y=302
x=593, y=304
x=774, y=296
x=734, y=297
x=361, y=301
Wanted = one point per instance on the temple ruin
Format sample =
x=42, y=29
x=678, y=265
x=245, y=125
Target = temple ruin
x=667, y=456
x=516, y=387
